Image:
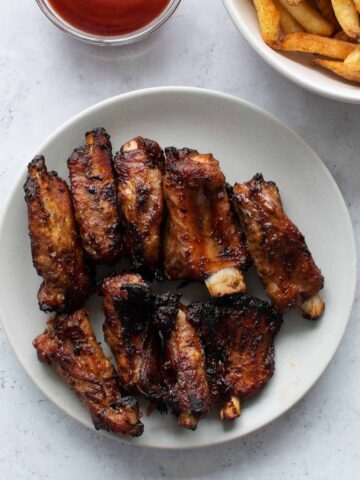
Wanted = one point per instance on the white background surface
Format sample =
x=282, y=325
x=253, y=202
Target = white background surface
x=45, y=78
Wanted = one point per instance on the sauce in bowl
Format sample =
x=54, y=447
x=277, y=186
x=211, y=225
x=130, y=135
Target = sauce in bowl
x=109, y=17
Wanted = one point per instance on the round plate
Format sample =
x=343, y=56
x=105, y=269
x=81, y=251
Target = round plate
x=294, y=66
x=246, y=140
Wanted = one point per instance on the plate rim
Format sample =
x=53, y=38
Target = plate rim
x=13, y=191
x=280, y=68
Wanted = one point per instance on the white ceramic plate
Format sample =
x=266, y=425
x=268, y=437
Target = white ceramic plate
x=296, y=67
x=246, y=140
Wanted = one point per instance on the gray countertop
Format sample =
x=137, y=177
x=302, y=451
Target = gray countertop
x=45, y=78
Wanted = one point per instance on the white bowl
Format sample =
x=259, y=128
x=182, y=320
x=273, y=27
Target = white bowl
x=294, y=66
x=246, y=140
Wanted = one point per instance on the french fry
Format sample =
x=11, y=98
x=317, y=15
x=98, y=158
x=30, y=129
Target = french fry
x=330, y=28
x=348, y=17
x=287, y=22
x=342, y=36
x=269, y=20
x=357, y=5
x=353, y=59
x=309, y=18
x=308, y=43
x=326, y=10
x=340, y=68
x=294, y=2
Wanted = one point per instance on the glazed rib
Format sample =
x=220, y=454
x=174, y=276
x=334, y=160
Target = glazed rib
x=238, y=338
x=139, y=167
x=278, y=249
x=128, y=330
x=56, y=250
x=202, y=242
x=187, y=390
x=94, y=196
x=69, y=346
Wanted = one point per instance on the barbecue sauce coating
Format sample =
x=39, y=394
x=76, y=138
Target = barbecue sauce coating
x=109, y=17
x=55, y=245
x=94, y=197
x=277, y=247
x=201, y=237
x=70, y=347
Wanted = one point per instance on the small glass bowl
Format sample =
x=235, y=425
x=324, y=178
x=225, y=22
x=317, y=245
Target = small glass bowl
x=117, y=40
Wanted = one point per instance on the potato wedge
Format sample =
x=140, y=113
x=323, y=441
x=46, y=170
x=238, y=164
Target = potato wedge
x=269, y=20
x=308, y=43
x=326, y=10
x=353, y=59
x=348, y=17
x=309, y=18
x=339, y=68
x=287, y=22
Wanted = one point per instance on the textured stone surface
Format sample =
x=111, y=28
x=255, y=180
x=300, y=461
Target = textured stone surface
x=46, y=78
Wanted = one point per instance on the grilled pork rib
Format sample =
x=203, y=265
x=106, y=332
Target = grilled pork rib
x=93, y=192
x=139, y=167
x=128, y=330
x=201, y=242
x=55, y=246
x=278, y=249
x=187, y=390
x=69, y=346
x=238, y=337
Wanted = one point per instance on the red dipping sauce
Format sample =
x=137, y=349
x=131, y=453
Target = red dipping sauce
x=109, y=17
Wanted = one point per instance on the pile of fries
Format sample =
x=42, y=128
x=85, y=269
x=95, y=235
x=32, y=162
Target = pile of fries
x=330, y=28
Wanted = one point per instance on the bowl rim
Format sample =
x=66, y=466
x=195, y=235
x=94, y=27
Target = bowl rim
x=279, y=66
x=185, y=90
x=102, y=40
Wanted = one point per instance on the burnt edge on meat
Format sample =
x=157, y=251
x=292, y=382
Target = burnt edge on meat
x=132, y=337
x=166, y=309
x=186, y=383
x=136, y=308
x=207, y=317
